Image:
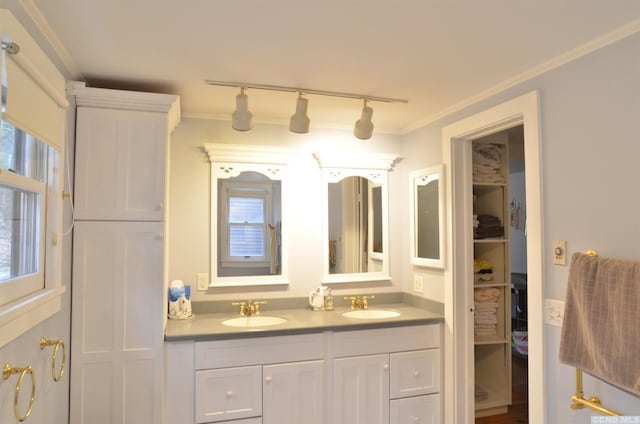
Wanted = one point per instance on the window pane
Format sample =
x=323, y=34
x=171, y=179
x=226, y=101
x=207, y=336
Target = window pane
x=246, y=240
x=19, y=232
x=246, y=210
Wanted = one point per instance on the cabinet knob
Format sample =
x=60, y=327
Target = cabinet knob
x=416, y=419
x=229, y=394
x=268, y=379
x=160, y=206
x=416, y=373
x=385, y=366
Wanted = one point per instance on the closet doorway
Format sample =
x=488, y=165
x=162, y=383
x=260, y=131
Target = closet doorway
x=500, y=277
x=460, y=370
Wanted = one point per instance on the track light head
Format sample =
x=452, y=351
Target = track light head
x=241, y=118
x=299, y=122
x=364, y=127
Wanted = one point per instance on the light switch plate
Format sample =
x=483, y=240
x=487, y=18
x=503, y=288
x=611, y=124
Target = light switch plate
x=559, y=251
x=202, y=282
x=553, y=312
x=418, y=284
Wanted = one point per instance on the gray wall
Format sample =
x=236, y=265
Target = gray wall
x=590, y=151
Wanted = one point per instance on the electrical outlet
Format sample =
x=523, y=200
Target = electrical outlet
x=553, y=312
x=418, y=285
x=559, y=252
x=202, y=281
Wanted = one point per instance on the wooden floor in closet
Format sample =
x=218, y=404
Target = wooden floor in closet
x=518, y=411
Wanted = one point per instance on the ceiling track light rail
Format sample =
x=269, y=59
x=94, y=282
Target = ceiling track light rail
x=299, y=122
x=307, y=91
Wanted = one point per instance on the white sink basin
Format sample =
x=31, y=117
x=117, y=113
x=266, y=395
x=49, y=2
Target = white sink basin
x=253, y=321
x=370, y=314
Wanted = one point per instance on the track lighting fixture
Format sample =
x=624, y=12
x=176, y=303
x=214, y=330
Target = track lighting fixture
x=364, y=127
x=299, y=122
x=241, y=118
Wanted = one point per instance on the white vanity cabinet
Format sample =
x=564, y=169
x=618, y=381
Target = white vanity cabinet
x=280, y=379
x=388, y=375
x=373, y=376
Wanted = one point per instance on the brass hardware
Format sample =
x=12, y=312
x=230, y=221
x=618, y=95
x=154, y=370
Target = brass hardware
x=359, y=302
x=57, y=376
x=249, y=307
x=579, y=402
x=66, y=195
x=7, y=372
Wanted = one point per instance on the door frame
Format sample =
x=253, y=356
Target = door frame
x=458, y=338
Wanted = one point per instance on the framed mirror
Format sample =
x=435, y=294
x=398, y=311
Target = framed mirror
x=248, y=242
x=355, y=218
x=427, y=208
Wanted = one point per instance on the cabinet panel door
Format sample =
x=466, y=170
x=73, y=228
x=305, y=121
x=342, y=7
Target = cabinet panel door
x=361, y=390
x=293, y=393
x=228, y=394
x=419, y=409
x=116, y=372
x=121, y=157
x=415, y=373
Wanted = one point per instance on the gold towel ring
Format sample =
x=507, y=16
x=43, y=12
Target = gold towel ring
x=6, y=373
x=57, y=376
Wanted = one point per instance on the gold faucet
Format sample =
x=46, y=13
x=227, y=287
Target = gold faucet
x=359, y=302
x=249, y=308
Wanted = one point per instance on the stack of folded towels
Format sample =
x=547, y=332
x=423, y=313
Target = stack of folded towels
x=487, y=163
x=486, y=307
x=485, y=226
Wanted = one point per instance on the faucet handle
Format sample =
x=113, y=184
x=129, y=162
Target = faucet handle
x=365, y=301
x=256, y=306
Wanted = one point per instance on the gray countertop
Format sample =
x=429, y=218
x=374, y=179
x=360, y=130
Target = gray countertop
x=208, y=326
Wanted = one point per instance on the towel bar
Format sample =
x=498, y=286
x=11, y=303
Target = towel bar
x=578, y=400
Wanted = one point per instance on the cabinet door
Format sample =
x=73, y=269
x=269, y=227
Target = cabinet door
x=120, y=156
x=361, y=390
x=116, y=372
x=418, y=409
x=293, y=393
x=228, y=394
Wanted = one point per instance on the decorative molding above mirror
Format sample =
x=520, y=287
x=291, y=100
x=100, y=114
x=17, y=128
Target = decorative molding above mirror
x=427, y=208
x=248, y=225
x=355, y=216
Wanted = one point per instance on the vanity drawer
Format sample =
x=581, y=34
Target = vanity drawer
x=383, y=340
x=414, y=373
x=419, y=409
x=258, y=350
x=228, y=394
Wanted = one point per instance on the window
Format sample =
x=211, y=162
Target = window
x=245, y=223
x=24, y=170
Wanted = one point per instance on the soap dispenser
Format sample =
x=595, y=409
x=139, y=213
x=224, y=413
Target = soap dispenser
x=328, y=301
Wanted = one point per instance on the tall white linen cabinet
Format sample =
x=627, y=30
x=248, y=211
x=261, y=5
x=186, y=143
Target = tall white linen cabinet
x=119, y=256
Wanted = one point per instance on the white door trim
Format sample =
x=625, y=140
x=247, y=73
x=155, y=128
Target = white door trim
x=458, y=337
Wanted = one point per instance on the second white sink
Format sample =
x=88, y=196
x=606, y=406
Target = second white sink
x=253, y=321
x=370, y=314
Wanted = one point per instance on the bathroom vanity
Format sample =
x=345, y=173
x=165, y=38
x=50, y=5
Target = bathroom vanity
x=315, y=367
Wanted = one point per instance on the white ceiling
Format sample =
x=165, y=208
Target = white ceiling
x=438, y=55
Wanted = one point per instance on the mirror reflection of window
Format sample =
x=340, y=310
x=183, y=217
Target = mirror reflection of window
x=249, y=226
x=376, y=212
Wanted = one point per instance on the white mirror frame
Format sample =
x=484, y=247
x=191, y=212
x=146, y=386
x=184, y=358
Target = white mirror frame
x=374, y=167
x=415, y=259
x=229, y=160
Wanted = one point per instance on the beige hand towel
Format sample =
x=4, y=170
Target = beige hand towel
x=601, y=328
